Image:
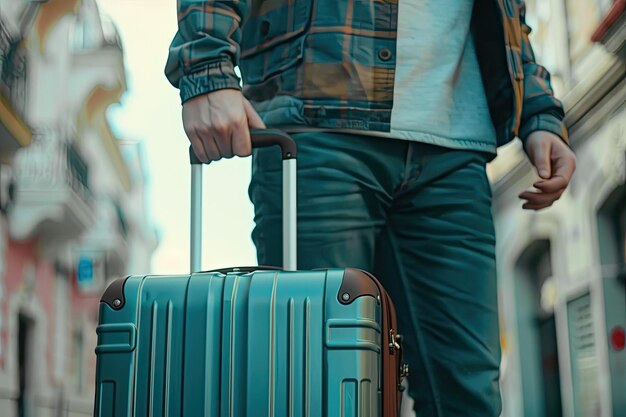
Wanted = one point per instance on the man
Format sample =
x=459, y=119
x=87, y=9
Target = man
x=398, y=105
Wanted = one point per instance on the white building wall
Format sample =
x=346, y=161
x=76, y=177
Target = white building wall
x=587, y=79
x=62, y=73
x=571, y=228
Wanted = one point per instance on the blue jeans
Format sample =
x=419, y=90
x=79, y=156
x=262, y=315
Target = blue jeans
x=419, y=217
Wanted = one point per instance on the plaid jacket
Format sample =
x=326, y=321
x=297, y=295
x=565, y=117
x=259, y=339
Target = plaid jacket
x=331, y=63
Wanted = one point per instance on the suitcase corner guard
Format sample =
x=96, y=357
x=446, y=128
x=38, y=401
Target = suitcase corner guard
x=114, y=294
x=357, y=283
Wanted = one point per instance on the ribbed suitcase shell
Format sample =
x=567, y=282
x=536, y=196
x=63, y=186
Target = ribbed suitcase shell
x=268, y=343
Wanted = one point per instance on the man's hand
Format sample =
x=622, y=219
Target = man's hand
x=218, y=124
x=555, y=163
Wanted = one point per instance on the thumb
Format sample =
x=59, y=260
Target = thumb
x=541, y=159
x=254, y=120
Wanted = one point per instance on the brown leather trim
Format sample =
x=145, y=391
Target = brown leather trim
x=115, y=291
x=394, y=367
x=355, y=284
x=392, y=395
x=391, y=358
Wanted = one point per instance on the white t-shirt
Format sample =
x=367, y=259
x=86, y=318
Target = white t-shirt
x=439, y=96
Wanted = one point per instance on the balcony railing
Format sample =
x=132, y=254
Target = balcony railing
x=51, y=162
x=12, y=71
x=52, y=194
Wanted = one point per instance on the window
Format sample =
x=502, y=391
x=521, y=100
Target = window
x=535, y=293
x=612, y=244
x=25, y=400
x=612, y=230
x=584, y=359
x=78, y=371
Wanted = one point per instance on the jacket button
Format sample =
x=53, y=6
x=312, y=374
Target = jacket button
x=265, y=27
x=384, y=54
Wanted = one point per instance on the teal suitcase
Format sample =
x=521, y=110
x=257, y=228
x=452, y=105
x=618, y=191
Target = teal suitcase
x=249, y=341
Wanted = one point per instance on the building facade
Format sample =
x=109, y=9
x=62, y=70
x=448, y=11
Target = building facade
x=74, y=211
x=562, y=274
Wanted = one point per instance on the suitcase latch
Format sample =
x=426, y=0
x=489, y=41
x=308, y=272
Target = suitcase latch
x=395, y=340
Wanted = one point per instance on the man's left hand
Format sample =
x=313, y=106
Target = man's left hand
x=555, y=163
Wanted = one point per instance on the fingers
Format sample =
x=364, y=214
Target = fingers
x=254, y=120
x=205, y=150
x=241, y=140
x=549, y=154
x=535, y=207
x=549, y=192
x=564, y=162
x=536, y=201
x=202, y=144
x=196, y=144
x=242, y=145
x=221, y=135
x=554, y=184
x=205, y=145
x=210, y=147
x=218, y=124
x=563, y=166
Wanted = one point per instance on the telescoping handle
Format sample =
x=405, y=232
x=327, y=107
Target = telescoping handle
x=260, y=139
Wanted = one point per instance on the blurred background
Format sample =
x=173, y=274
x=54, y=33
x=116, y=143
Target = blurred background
x=94, y=184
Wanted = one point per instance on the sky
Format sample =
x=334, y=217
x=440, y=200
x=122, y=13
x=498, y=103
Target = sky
x=150, y=111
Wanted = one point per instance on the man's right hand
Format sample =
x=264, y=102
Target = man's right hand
x=218, y=124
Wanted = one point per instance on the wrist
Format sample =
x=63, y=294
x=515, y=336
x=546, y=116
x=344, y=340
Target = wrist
x=215, y=76
x=544, y=122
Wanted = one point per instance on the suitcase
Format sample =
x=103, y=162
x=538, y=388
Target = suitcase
x=250, y=341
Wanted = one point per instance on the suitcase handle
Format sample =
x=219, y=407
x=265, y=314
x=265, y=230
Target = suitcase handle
x=259, y=139
x=263, y=138
x=244, y=269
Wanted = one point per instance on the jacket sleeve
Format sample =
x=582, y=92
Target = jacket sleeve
x=205, y=50
x=540, y=110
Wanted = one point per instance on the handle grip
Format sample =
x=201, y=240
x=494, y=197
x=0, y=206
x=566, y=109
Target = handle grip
x=245, y=269
x=263, y=138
